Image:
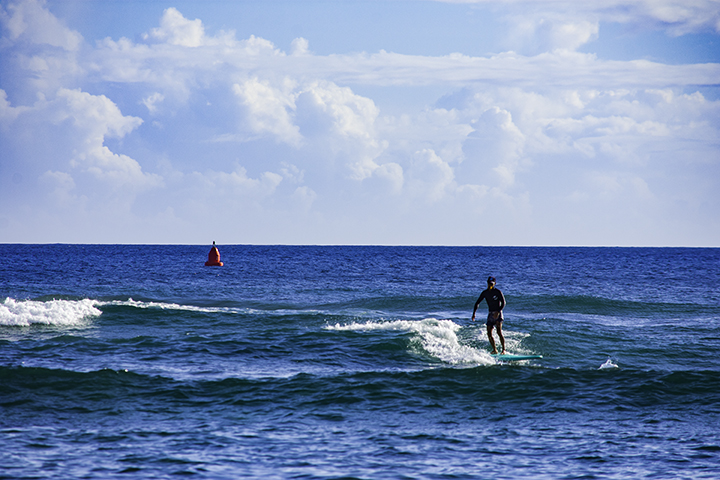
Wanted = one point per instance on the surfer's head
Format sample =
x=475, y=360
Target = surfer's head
x=491, y=281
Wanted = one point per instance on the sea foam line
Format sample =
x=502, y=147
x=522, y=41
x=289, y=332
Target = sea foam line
x=162, y=305
x=193, y=308
x=173, y=306
x=24, y=313
x=437, y=338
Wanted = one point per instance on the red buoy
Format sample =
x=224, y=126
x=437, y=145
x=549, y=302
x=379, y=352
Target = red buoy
x=214, y=257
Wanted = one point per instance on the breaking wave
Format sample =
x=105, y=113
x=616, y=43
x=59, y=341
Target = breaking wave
x=23, y=313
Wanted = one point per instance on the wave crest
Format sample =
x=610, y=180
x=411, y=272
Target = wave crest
x=24, y=313
x=437, y=338
x=174, y=306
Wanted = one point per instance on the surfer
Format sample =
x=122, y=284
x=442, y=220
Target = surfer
x=496, y=302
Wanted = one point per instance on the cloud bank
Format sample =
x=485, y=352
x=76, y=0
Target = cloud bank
x=185, y=136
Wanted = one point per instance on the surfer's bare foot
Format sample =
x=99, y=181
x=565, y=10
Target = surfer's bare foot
x=494, y=352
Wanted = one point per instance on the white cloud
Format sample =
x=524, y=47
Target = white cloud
x=95, y=118
x=96, y=114
x=177, y=30
x=536, y=34
x=179, y=68
x=254, y=138
x=38, y=52
x=392, y=174
x=430, y=176
x=152, y=101
x=342, y=123
x=678, y=16
x=559, y=68
x=299, y=47
x=8, y=113
x=59, y=146
x=31, y=22
x=342, y=112
x=238, y=183
x=493, y=150
x=60, y=188
x=268, y=110
x=303, y=197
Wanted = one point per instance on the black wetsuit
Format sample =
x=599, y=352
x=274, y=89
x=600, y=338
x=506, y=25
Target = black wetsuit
x=494, y=299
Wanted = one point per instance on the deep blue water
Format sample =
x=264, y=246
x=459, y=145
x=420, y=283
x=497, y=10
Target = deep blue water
x=357, y=362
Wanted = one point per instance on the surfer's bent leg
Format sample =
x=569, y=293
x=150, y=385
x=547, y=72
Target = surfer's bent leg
x=490, y=323
x=498, y=327
x=492, y=340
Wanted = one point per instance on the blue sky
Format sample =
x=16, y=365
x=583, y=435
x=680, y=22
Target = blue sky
x=523, y=122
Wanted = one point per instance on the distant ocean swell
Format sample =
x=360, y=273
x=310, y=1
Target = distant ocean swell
x=61, y=312
x=30, y=391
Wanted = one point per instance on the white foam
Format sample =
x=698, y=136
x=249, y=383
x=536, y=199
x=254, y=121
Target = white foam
x=608, y=364
x=172, y=306
x=437, y=338
x=54, y=312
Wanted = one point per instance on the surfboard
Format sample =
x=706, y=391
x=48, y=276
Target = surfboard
x=509, y=357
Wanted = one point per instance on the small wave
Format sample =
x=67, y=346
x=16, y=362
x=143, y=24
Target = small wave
x=148, y=305
x=24, y=313
x=171, y=306
x=536, y=391
x=438, y=338
x=608, y=364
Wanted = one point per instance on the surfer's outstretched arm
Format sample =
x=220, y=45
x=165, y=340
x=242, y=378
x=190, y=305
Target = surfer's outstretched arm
x=477, y=304
x=476, y=307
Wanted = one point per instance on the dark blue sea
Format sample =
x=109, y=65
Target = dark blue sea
x=126, y=361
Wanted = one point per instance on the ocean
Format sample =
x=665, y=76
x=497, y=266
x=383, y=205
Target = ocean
x=342, y=362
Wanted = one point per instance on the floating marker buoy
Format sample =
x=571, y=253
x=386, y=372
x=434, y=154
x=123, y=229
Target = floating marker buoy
x=214, y=257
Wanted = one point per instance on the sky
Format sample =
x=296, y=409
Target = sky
x=382, y=122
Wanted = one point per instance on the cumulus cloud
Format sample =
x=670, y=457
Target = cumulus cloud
x=343, y=123
x=268, y=110
x=493, y=149
x=430, y=176
x=29, y=21
x=299, y=47
x=77, y=125
x=38, y=52
x=177, y=30
x=89, y=120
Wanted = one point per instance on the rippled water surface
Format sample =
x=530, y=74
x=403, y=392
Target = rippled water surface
x=357, y=362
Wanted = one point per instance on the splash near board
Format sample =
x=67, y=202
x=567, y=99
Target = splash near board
x=506, y=357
